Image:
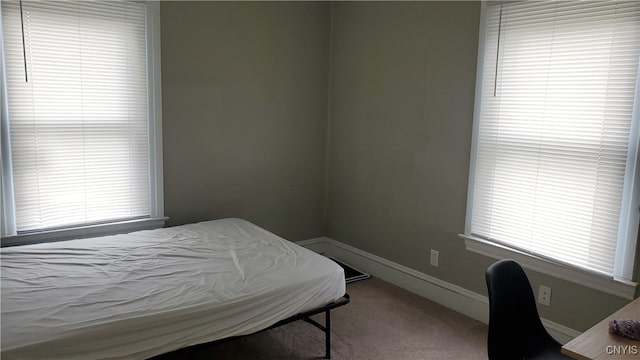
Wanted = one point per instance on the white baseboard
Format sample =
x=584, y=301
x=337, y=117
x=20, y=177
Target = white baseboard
x=442, y=292
x=316, y=244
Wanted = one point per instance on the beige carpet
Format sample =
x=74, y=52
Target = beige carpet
x=381, y=322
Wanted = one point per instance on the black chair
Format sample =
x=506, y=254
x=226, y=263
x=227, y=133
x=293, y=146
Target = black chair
x=515, y=329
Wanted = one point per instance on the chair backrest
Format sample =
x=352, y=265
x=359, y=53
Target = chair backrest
x=515, y=329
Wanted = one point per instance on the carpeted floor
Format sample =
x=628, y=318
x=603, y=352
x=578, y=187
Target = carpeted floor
x=381, y=322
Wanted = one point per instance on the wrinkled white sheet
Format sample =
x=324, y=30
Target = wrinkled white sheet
x=137, y=295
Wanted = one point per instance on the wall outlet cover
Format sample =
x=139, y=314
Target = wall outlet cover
x=544, y=295
x=435, y=255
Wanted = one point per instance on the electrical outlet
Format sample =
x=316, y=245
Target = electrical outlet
x=544, y=295
x=435, y=254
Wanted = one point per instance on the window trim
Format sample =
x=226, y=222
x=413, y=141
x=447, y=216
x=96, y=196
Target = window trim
x=629, y=219
x=7, y=222
x=156, y=218
x=155, y=110
x=612, y=285
x=87, y=231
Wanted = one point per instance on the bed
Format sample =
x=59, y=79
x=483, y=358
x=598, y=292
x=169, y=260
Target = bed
x=146, y=293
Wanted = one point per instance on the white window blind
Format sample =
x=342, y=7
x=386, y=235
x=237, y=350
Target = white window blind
x=553, y=129
x=78, y=122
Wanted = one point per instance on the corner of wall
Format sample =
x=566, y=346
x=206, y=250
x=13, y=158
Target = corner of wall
x=325, y=219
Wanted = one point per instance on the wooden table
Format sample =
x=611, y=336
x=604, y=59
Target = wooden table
x=597, y=343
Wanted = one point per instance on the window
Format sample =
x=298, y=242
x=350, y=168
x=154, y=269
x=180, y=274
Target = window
x=81, y=121
x=553, y=170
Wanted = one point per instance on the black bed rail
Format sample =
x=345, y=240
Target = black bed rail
x=304, y=316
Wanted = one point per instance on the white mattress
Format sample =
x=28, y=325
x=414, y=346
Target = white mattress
x=137, y=295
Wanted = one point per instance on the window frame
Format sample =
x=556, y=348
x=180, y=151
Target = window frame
x=625, y=259
x=156, y=219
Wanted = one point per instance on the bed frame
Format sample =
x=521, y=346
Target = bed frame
x=304, y=316
x=315, y=288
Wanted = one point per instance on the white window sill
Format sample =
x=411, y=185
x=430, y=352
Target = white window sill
x=84, y=232
x=615, y=286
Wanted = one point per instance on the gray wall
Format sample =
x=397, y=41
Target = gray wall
x=244, y=89
x=401, y=110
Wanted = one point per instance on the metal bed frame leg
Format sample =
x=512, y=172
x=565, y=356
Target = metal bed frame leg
x=327, y=331
x=327, y=327
x=327, y=321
